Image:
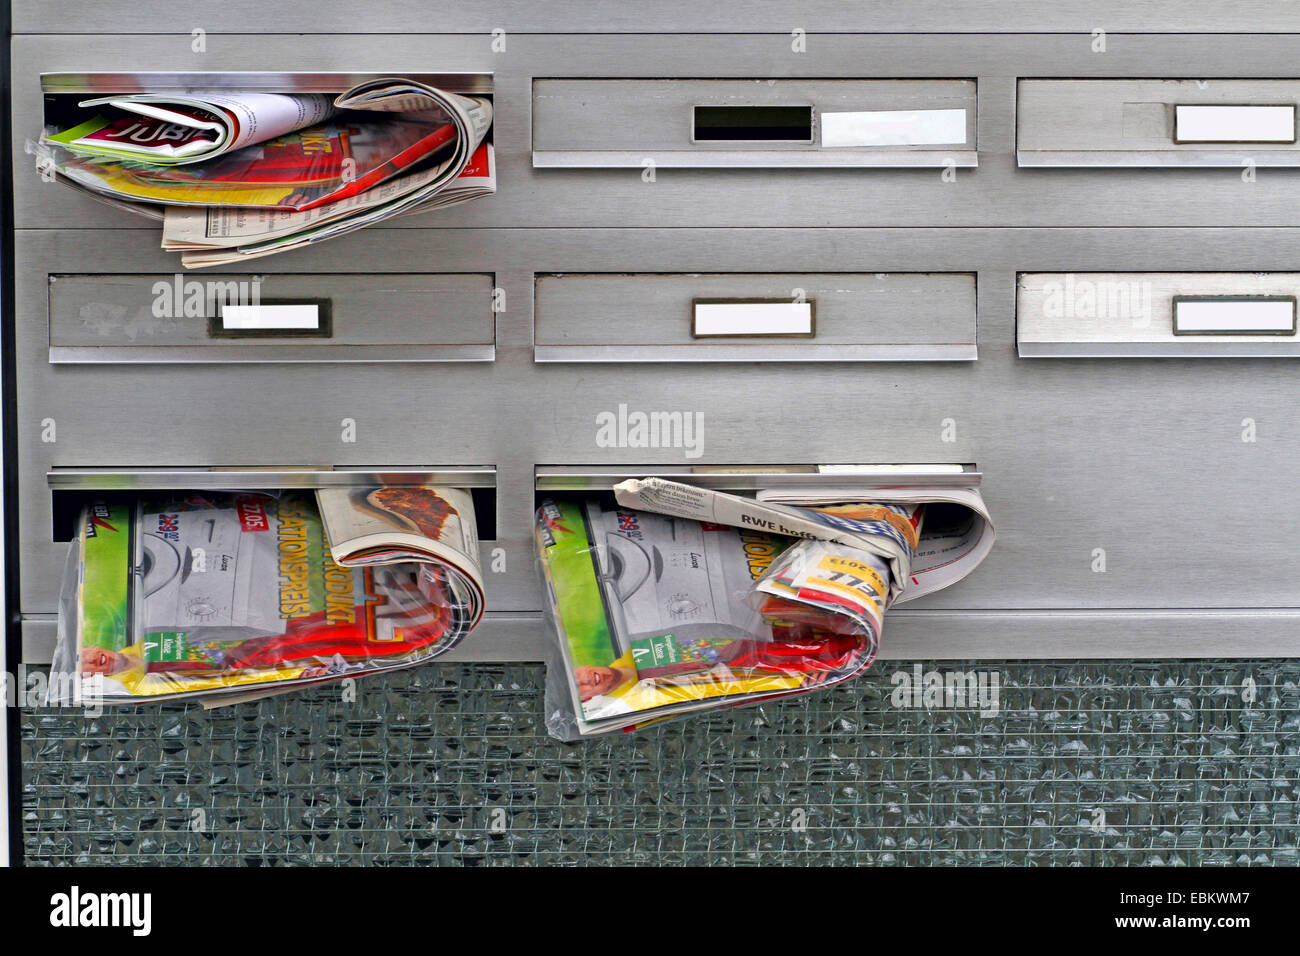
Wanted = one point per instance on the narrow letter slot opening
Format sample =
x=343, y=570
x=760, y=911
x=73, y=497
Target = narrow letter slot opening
x=755, y=124
x=71, y=489
x=1229, y=315
x=1234, y=124
x=729, y=318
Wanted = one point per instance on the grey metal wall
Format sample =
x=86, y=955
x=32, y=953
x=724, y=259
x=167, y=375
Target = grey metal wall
x=1079, y=455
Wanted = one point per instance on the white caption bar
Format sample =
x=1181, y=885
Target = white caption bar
x=895, y=128
x=753, y=318
x=1243, y=317
x=1234, y=124
x=270, y=317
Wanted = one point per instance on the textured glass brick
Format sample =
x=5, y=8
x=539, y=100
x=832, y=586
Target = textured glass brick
x=1128, y=763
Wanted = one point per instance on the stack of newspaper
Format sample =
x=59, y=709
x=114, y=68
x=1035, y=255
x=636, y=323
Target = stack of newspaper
x=679, y=599
x=228, y=597
x=235, y=175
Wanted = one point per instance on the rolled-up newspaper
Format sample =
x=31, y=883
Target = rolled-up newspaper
x=420, y=148
x=956, y=536
x=174, y=129
x=400, y=524
x=393, y=525
x=216, y=237
x=882, y=521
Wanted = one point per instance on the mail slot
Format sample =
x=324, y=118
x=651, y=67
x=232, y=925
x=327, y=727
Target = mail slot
x=1154, y=314
x=67, y=488
x=48, y=99
x=71, y=487
x=43, y=537
x=755, y=317
x=742, y=478
x=753, y=123
x=1156, y=122
x=153, y=318
x=955, y=532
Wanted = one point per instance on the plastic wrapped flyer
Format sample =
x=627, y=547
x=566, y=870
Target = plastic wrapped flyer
x=672, y=598
x=201, y=594
x=656, y=616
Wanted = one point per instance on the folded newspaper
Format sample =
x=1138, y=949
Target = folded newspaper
x=398, y=524
x=222, y=235
x=256, y=174
x=212, y=594
x=958, y=532
x=682, y=599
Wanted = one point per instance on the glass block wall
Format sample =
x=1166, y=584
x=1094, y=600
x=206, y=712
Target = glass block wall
x=1116, y=763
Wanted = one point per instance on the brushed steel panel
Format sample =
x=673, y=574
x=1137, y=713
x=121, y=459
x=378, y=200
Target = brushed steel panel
x=1077, y=455
x=758, y=352
x=215, y=478
x=734, y=158
x=997, y=194
x=165, y=318
x=613, y=123
x=666, y=17
x=859, y=317
x=754, y=477
x=1130, y=314
x=1127, y=123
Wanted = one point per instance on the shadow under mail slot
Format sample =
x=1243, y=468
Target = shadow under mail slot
x=230, y=596
x=236, y=175
x=680, y=598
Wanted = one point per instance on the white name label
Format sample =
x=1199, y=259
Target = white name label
x=1244, y=317
x=891, y=469
x=894, y=128
x=1234, y=124
x=270, y=317
x=753, y=318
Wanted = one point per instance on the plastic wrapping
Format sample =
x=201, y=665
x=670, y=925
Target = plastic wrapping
x=205, y=593
x=656, y=616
